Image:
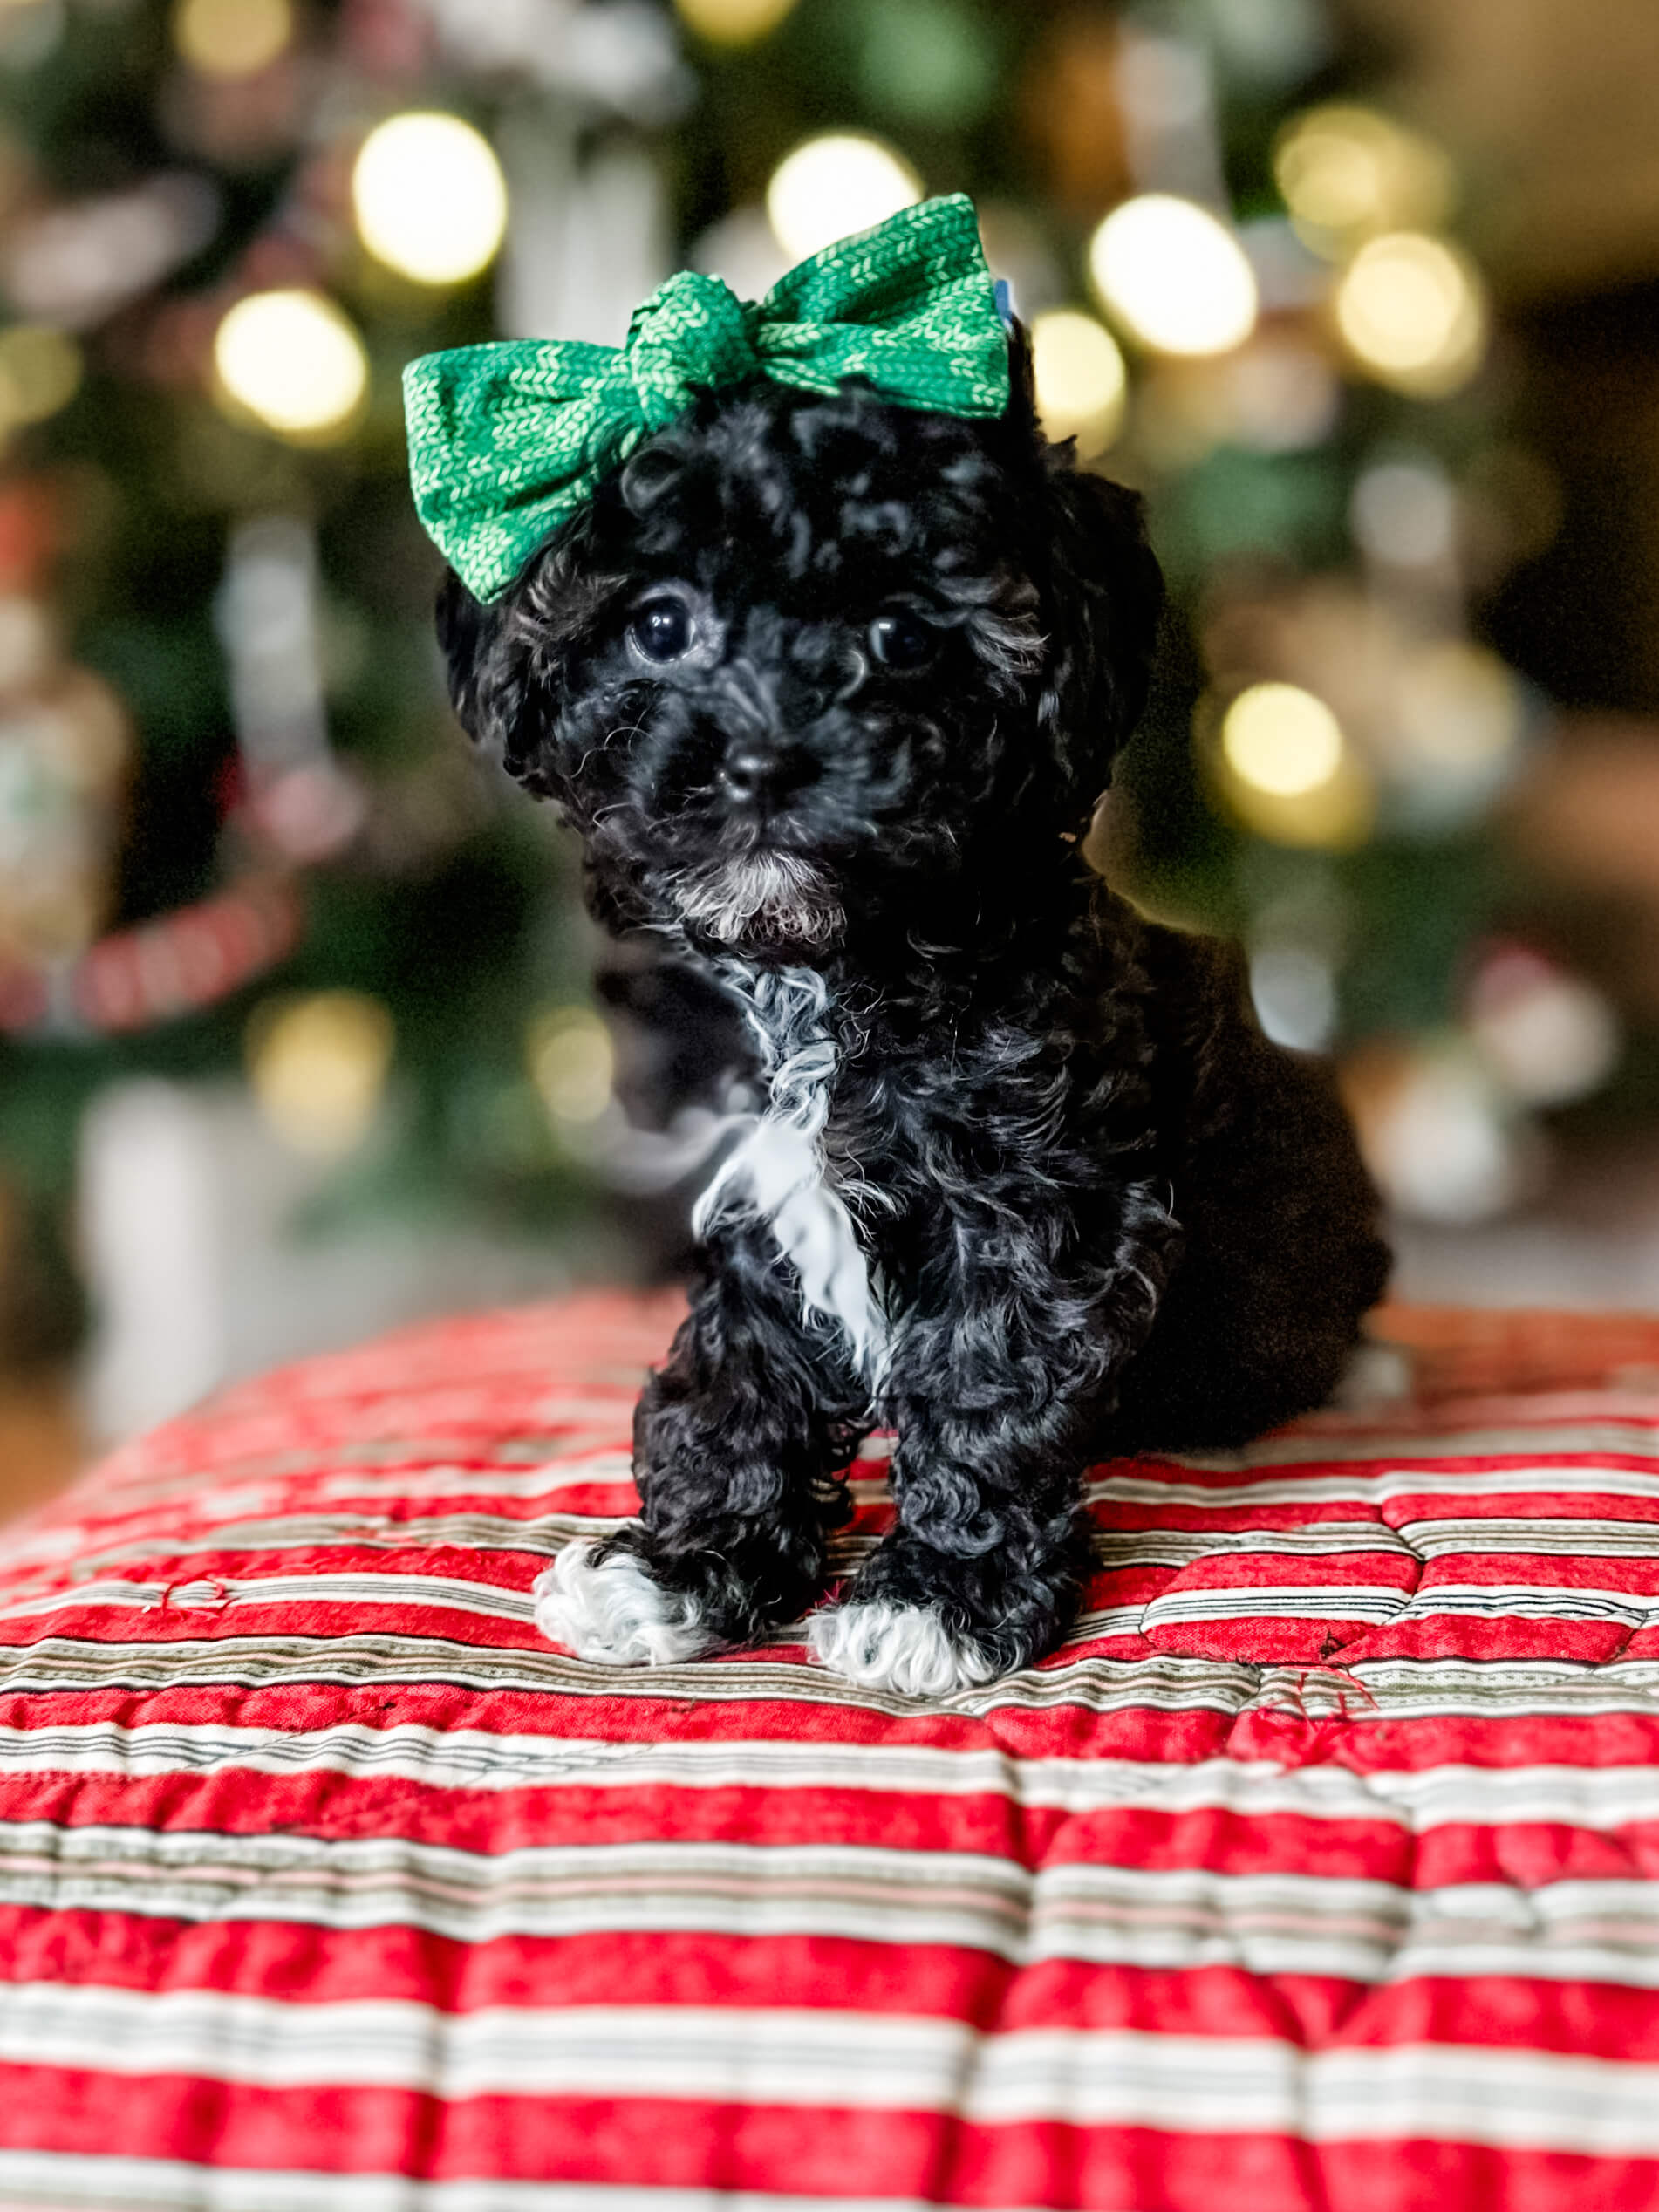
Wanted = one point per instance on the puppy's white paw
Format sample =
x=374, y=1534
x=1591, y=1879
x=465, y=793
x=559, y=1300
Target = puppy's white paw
x=896, y=1647
x=611, y=1611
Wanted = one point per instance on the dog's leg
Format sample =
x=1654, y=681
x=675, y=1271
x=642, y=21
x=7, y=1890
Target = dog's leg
x=737, y=1442
x=995, y=1395
x=980, y=1573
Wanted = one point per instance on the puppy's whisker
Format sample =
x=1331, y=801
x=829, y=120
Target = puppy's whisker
x=622, y=729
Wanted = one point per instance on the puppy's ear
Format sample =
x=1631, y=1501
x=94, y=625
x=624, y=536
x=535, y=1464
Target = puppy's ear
x=508, y=660
x=1103, y=598
x=1021, y=411
x=498, y=678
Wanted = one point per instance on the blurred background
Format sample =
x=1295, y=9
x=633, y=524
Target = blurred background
x=296, y=1032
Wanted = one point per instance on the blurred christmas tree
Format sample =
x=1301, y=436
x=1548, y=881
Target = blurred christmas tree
x=236, y=825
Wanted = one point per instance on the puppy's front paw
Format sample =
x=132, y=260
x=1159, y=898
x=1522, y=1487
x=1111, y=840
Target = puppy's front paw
x=906, y=1647
x=612, y=1611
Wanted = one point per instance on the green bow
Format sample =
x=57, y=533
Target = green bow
x=506, y=440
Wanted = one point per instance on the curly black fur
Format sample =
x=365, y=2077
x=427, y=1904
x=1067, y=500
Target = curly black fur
x=1105, y=1211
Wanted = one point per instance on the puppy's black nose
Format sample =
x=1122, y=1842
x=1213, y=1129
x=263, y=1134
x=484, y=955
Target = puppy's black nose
x=758, y=774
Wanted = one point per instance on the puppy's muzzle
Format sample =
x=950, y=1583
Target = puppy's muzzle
x=763, y=899
x=760, y=774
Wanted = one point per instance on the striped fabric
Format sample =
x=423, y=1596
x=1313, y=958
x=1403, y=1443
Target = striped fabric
x=1312, y=1875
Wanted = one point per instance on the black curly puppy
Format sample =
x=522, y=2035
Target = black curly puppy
x=828, y=687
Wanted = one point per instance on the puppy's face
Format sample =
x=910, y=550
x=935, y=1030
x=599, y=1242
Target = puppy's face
x=804, y=663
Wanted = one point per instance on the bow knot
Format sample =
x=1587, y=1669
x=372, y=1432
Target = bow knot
x=690, y=334
x=506, y=441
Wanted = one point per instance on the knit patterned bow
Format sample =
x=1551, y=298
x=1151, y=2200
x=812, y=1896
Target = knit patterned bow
x=505, y=440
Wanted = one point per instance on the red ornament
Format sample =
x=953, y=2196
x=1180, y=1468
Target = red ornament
x=178, y=964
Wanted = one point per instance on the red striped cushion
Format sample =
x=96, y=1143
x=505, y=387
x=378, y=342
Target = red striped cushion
x=1314, y=1868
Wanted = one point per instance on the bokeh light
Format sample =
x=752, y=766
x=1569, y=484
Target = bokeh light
x=1412, y=311
x=1280, y=394
x=1550, y=1037
x=1080, y=379
x=1294, y=990
x=429, y=198
x=29, y=645
x=318, y=1065
x=1402, y=512
x=571, y=1062
x=292, y=360
x=232, y=38
x=1460, y=710
x=732, y=22
x=833, y=186
x=1286, y=770
x=935, y=63
x=1281, y=739
x=1437, y=1130
x=40, y=371
x=1347, y=174
x=1174, y=275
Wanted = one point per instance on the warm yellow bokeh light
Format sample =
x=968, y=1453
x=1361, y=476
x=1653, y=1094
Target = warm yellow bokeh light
x=1347, y=173
x=571, y=1063
x=293, y=361
x=232, y=38
x=317, y=1066
x=1458, y=709
x=40, y=371
x=1174, y=275
x=833, y=186
x=1282, y=740
x=429, y=198
x=1412, y=310
x=1080, y=379
x=732, y=22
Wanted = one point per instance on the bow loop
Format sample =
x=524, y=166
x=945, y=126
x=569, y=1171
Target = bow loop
x=506, y=441
x=690, y=334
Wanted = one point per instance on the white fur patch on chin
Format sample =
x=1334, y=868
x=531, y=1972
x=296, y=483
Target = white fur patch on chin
x=610, y=1610
x=776, y=895
x=896, y=1647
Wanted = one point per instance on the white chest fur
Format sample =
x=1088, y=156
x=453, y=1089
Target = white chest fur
x=776, y=1172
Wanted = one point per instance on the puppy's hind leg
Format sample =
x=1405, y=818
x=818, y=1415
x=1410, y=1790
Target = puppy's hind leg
x=1281, y=1262
x=737, y=1442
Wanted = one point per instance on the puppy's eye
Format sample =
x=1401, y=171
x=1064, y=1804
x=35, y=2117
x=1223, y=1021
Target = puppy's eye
x=901, y=639
x=663, y=630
